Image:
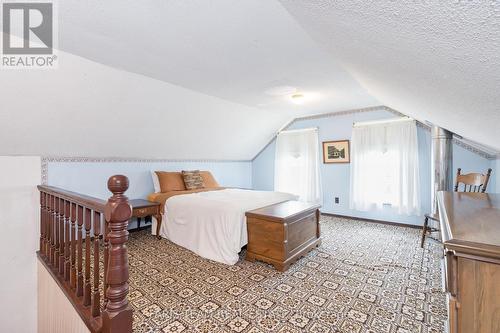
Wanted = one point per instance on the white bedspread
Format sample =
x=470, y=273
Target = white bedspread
x=213, y=224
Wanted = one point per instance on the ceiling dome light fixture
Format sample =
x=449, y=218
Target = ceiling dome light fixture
x=281, y=91
x=297, y=98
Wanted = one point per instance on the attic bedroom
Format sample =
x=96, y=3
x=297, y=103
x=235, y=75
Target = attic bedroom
x=250, y=166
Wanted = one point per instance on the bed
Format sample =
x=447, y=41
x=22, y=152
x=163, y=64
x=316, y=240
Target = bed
x=211, y=221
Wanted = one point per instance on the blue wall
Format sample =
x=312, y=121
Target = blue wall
x=90, y=178
x=336, y=177
x=263, y=168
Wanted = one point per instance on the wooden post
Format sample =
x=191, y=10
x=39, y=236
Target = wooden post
x=487, y=179
x=117, y=315
x=456, y=179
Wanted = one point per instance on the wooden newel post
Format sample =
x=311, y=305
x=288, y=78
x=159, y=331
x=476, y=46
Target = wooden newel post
x=117, y=314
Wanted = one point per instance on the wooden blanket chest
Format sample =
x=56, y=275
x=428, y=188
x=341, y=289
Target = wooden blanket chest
x=282, y=233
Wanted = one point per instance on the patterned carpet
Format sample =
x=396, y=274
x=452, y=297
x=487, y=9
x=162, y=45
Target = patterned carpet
x=366, y=277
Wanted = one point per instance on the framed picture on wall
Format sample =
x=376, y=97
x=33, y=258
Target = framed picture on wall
x=336, y=152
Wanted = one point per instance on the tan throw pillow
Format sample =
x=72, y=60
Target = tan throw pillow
x=209, y=180
x=193, y=180
x=170, y=181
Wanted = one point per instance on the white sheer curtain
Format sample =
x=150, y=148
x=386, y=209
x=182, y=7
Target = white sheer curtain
x=296, y=167
x=384, y=167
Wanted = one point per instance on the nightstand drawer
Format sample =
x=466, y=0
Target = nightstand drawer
x=144, y=211
x=143, y=208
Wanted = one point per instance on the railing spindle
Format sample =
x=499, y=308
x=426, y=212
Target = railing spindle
x=47, y=226
x=44, y=223
x=87, y=286
x=106, y=261
x=67, y=240
x=46, y=216
x=42, y=220
x=48, y=223
x=53, y=231
x=61, y=236
x=96, y=297
x=79, y=255
x=57, y=232
x=72, y=277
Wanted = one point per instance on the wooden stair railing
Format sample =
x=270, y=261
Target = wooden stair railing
x=74, y=243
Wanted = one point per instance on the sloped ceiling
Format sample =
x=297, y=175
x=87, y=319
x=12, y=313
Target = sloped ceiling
x=234, y=50
x=171, y=79
x=87, y=109
x=434, y=60
x=187, y=79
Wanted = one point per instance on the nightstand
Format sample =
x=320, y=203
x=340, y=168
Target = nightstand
x=143, y=208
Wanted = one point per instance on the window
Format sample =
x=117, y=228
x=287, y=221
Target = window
x=384, y=167
x=297, y=164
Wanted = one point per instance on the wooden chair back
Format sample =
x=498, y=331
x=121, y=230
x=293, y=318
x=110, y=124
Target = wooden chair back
x=476, y=182
x=472, y=182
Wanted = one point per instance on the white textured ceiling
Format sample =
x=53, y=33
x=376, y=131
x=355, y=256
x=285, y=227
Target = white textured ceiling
x=170, y=79
x=433, y=60
x=234, y=50
x=187, y=79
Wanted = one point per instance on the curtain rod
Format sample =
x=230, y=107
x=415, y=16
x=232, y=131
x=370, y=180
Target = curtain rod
x=384, y=121
x=299, y=130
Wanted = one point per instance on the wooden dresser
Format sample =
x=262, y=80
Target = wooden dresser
x=470, y=226
x=280, y=234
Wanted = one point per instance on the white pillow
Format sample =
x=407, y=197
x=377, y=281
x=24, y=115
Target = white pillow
x=156, y=182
